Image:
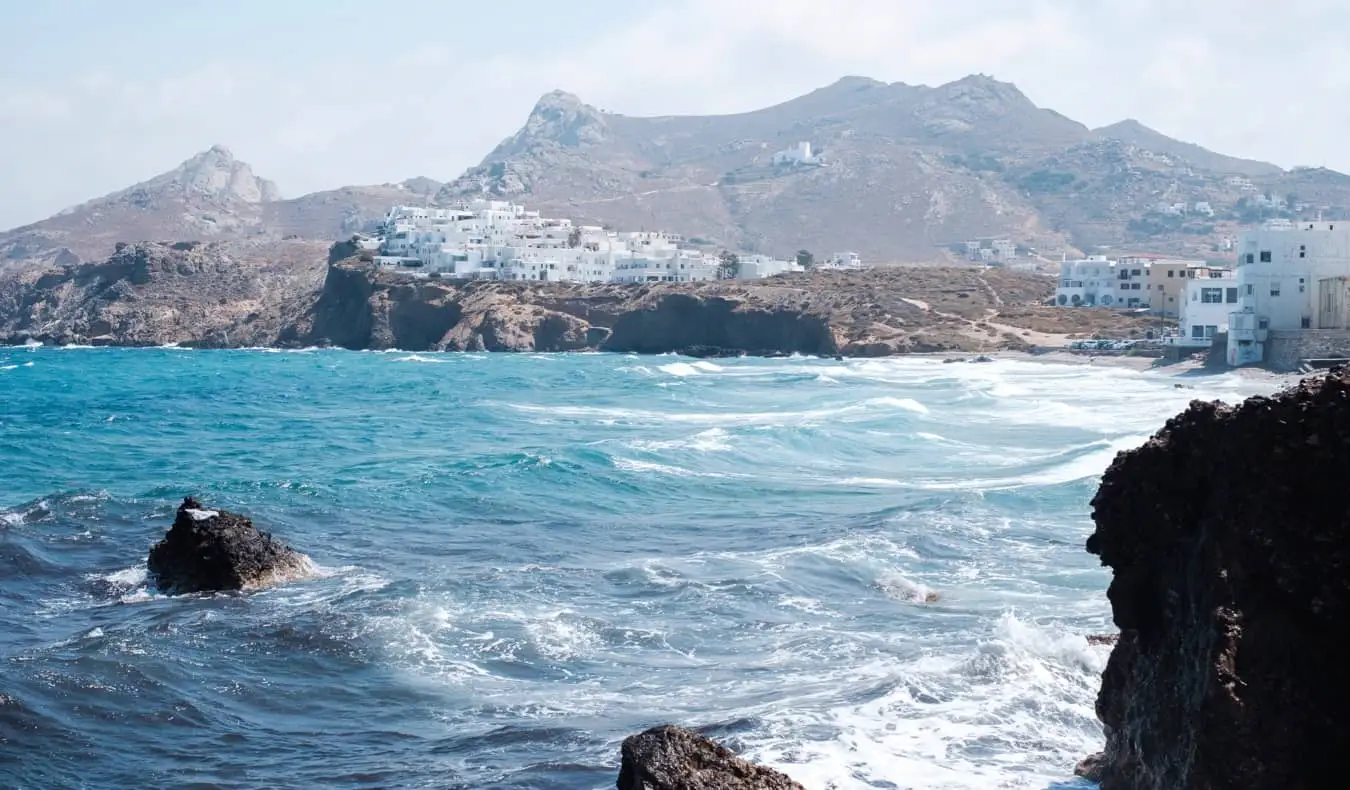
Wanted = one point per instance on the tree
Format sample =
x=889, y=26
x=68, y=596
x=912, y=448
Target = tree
x=728, y=265
x=574, y=238
x=805, y=259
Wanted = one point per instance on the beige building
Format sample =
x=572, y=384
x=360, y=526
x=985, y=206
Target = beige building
x=1165, y=281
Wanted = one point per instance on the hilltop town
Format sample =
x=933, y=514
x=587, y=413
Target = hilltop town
x=499, y=240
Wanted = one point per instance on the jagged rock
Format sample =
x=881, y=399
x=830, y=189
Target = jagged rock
x=1228, y=534
x=675, y=758
x=210, y=550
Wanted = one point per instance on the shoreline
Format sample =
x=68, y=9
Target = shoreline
x=1050, y=356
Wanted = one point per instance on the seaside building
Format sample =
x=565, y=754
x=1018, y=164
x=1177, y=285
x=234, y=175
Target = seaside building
x=1206, y=304
x=1134, y=282
x=500, y=240
x=755, y=267
x=1292, y=278
x=1088, y=282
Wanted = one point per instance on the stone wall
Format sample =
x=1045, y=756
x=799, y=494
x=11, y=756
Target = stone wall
x=1286, y=348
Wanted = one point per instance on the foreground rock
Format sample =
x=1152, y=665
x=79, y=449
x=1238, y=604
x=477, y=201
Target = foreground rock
x=1229, y=537
x=674, y=758
x=211, y=550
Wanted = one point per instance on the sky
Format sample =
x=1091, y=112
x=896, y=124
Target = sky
x=315, y=94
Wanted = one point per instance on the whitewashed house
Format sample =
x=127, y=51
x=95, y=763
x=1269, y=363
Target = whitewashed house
x=1087, y=282
x=1290, y=276
x=1207, y=302
x=755, y=267
x=799, y=154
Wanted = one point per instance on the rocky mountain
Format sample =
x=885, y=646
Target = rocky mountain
x=905, y=173
x=896, y=172
x=210, y=197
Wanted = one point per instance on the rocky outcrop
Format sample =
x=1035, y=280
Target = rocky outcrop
x=153, y=294
x=231, y=295
x=1228, y=534
x=211, y=550
x=866, y=313
x=674, y=758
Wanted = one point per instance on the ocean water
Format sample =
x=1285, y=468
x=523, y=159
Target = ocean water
x=523, y=559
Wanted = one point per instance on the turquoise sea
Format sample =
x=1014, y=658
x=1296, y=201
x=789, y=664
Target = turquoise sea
x=525, y=558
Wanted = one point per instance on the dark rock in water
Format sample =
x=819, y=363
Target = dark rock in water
x=1228, y=534
x=208, y=550
x=705, y=352
x=1091, y=768
x=674, y=758
x=1103, y=639
x=982, y=358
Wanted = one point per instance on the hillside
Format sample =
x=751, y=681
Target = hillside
x=210, y=295
x=210, y=197
x=907, y=173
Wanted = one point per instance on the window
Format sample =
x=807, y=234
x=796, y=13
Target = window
x=1232, y=296
x=1264, y=323
x=1307, y=322
x=1210, y=331
x=1265, y=256
x=1274, y=288
x=1134, y=273
x=1198, y=332
x=1250, y=289
x=1302, y=250
x=1250, y=258
x=1211, y=295
x=1171, y=273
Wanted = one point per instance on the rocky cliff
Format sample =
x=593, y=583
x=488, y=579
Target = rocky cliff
x=231, y=294
x=1228, y=535
x=867, y=313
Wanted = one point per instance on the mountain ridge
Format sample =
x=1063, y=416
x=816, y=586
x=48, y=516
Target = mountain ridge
x=900, y=173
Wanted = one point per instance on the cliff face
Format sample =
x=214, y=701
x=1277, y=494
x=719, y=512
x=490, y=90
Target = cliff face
x=867, y=313
x=234, y=294
x=1229, y=537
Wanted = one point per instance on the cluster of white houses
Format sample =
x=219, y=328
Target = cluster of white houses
x=1290, y=277
x=499, y=240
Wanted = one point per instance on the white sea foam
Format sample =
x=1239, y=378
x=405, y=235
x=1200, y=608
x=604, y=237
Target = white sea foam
x=201, y=515
x=418, y=358
x=651, y=467
x=948, y=722
x=680, y=369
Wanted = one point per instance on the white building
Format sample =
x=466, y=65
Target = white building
x=1204, y=310
x=841, y=260
x=1290, y=276
x=800, y=154
x=494, y=239
x=1090, y=282
x=755, y=267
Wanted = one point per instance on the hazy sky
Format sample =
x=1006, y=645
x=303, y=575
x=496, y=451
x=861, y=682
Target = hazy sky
x=96, y=95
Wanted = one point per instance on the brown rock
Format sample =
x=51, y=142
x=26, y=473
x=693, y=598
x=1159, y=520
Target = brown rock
x=1228, y=534
x=674, y=758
